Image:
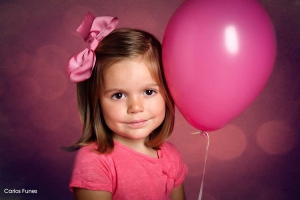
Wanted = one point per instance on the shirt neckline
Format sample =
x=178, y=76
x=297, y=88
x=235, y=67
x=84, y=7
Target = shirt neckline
x=159, y=153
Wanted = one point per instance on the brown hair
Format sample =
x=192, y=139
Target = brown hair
x=119, y=45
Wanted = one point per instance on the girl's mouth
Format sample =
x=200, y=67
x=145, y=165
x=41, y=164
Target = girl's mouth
x=137, y=123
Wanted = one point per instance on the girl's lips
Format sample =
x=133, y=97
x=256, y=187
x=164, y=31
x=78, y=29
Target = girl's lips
x=137, y=123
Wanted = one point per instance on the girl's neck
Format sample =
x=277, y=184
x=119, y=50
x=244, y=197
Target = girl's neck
x=137, y=145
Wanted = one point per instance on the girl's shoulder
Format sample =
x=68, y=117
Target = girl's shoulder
x=172, y=157
x=168, y=146
x=88, y=154
x=88, y=149
x=170, y=149
x=92, y=170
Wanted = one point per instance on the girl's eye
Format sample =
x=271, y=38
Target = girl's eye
x=149, y=92
x=118, y=96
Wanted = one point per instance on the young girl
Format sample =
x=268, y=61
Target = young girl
x=127, y=114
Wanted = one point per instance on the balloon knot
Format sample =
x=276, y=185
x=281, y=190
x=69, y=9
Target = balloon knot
x=203, y=133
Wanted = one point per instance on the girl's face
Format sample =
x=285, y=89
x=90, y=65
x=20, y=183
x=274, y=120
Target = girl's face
x=131, y=102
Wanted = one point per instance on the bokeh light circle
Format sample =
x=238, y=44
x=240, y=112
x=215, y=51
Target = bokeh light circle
x=51, y=56
x=276, y=137
x=227, y=143
x=53, y=83
x=49, y=70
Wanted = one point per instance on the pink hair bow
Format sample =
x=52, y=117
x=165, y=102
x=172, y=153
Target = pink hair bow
x=92, y=30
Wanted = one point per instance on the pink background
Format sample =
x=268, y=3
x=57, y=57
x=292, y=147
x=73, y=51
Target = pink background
x=256, y=156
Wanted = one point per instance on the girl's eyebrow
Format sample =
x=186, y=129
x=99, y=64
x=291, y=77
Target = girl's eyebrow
x=150, y=85
x=113, y=90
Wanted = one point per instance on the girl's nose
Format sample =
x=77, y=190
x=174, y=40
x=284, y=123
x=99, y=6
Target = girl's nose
x=135, y=105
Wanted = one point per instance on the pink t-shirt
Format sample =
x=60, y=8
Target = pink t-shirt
x=128, y=174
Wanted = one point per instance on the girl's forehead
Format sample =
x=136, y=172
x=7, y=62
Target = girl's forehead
x=131, y=69
x=123, y=63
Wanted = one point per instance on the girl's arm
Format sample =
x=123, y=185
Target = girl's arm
x=178, y=193
x=84, y=194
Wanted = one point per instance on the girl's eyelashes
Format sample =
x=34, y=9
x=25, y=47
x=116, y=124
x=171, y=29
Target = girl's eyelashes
x=149, y=92
x=118, y=95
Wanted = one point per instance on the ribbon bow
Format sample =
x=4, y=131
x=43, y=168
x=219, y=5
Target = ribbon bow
x=92, y=30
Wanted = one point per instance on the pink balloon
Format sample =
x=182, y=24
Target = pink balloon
x=217, y=56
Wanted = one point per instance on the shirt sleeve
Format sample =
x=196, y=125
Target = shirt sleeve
x=180, y=166
x=92, y=171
